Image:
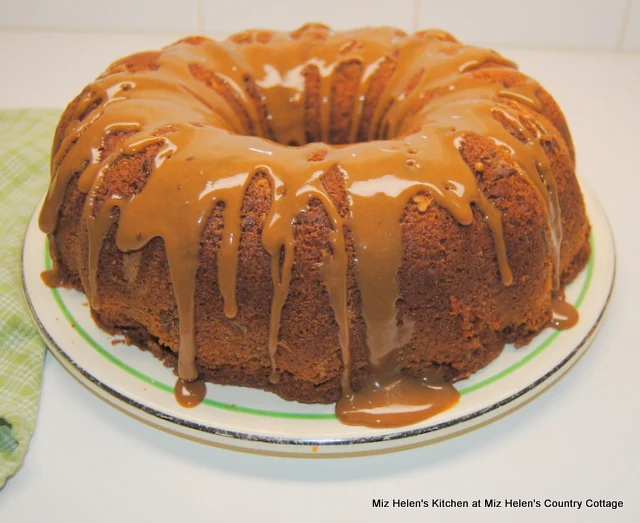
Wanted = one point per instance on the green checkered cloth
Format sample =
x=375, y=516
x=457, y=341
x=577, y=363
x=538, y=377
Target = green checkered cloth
x=25, y=143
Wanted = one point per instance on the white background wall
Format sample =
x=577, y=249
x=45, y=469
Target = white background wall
x=588, y=24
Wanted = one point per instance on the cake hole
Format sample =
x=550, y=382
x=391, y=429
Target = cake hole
x=332, y=108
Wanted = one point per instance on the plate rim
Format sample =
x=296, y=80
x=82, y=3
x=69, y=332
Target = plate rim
x=201, y=431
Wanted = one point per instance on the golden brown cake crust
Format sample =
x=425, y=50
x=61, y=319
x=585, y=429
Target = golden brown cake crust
x=449, y=279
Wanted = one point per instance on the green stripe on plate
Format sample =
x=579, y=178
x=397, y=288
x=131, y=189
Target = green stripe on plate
x=552, y=337
x=296, y=415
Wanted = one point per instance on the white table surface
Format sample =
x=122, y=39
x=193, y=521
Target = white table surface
x=88, y=462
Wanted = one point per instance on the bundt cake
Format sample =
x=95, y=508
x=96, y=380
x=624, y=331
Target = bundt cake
x=318, y=214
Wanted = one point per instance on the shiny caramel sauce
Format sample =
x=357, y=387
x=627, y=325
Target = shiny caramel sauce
x=390, y=399
x=52, y=278
x=189, y=394
x=215, y=144
x=565, y=315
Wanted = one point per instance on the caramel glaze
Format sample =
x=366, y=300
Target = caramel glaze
x=389, y=399
x=52, y=278
x=189, y=394
x=403, y=141
x=565, y=315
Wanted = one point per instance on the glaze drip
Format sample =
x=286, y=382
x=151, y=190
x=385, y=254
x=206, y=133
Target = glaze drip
x=390, y=399
x=217, y=126
x=565, y=315
x=189, y=394
x=52, y=278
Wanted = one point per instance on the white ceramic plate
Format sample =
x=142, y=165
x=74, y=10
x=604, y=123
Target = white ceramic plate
x=249, y=419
